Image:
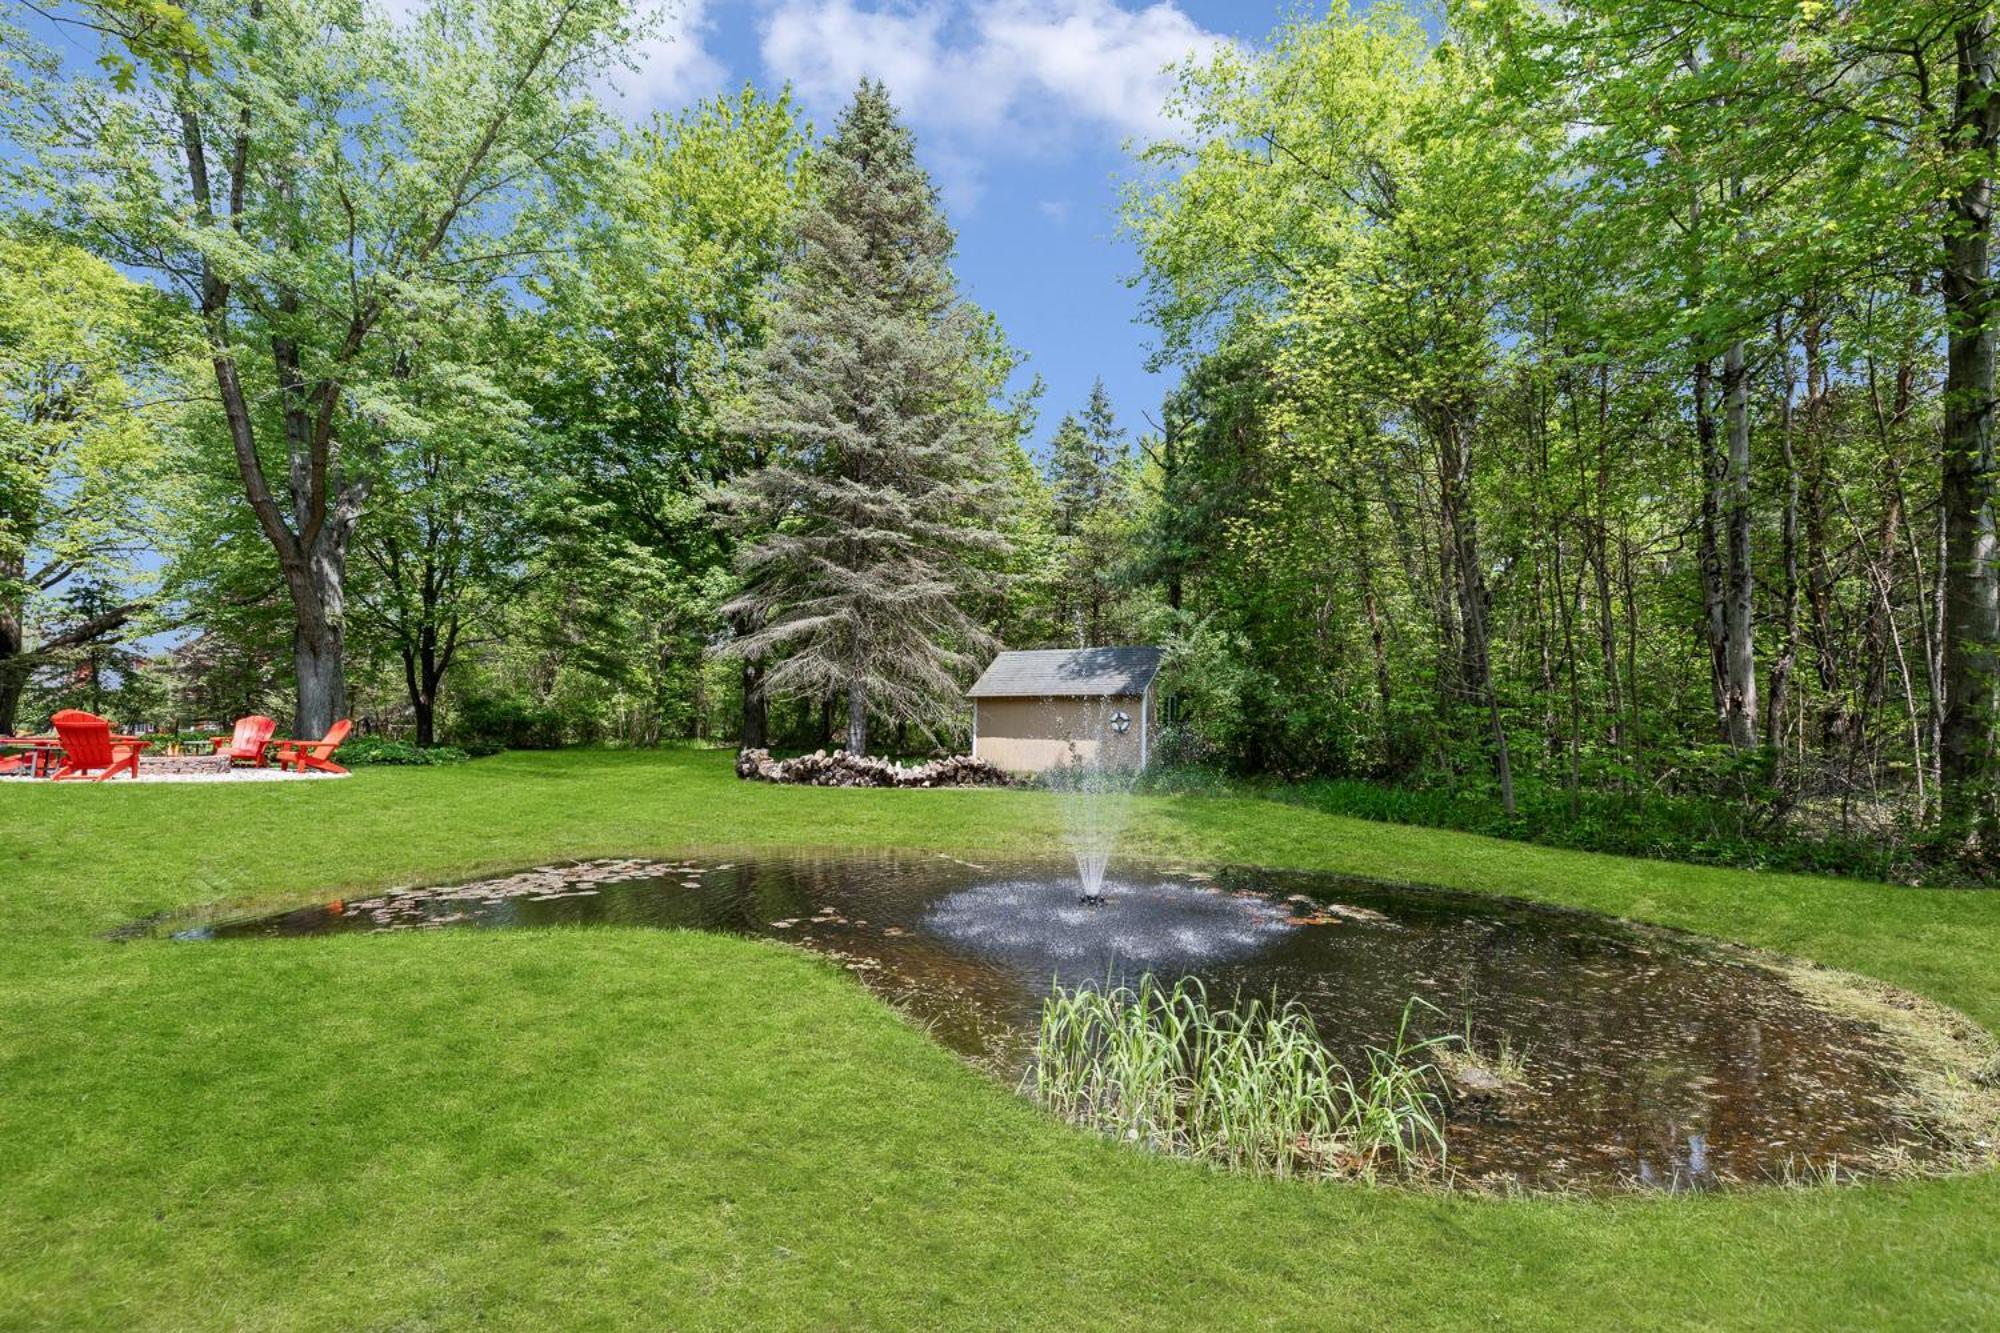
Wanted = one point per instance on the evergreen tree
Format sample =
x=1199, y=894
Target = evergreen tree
x=1090, y=482
x=1086, y=459
x=877, y=505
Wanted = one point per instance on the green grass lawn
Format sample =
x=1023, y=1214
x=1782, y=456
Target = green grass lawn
x=602, y=1128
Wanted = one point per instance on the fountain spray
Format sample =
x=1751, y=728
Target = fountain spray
x=1095, y=788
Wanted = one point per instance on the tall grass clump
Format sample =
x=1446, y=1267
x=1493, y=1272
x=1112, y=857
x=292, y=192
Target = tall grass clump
x=1251, y=1088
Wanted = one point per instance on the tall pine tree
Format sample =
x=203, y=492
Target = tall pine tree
x=882, y=488
x=1090, y=482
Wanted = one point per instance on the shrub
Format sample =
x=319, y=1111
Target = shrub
x=1180, y=745
x=489, y=723
x=1193, y=780
x=366, y=750
x=1723, y=828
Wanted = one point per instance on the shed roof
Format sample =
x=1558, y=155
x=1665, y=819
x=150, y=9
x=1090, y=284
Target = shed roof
x=1059, y=673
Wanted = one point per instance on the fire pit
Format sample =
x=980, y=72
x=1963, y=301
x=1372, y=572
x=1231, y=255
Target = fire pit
x=183, y=765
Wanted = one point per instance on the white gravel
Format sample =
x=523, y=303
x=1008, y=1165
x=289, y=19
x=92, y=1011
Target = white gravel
x=234, y=775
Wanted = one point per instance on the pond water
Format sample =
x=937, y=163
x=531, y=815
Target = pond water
x=1651, y=1059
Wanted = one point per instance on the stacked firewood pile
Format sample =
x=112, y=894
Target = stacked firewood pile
x=841, y=769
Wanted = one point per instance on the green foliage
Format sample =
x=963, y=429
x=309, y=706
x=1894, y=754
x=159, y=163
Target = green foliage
x=190, y=742
x=873, y=516
x=1560, y=394
x=1692, y=826
x=328, y=189
x=364, y=751
x=86, y=467
x=638, y=352
x=78, y=457
x=1250, y=1087
x=1560, y=397
x=1206, y=683
x=1093, y=517
x=151, y=33
x=485, y=724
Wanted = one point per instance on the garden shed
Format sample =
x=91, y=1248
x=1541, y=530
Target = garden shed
x=1034, y=710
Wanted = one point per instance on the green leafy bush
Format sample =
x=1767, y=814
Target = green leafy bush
x=1733, y=827
x=365, y=750
x=485, y=724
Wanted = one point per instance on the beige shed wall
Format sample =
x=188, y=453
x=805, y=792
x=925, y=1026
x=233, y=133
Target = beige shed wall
x=1030, y=735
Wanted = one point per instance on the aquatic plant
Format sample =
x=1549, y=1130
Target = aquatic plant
x=1250, y=1087
x=1468, y=1059
x=1802, y=1173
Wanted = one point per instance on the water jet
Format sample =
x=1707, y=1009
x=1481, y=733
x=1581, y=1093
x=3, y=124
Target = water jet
x=1094, y=790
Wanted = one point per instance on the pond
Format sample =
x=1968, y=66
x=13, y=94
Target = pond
x=1648, y=1058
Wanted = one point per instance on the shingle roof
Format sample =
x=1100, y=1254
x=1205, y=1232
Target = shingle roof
x=1060, y=673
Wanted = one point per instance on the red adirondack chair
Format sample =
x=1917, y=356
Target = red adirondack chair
x=317, y=755
x=88, y=745
x=246, y=746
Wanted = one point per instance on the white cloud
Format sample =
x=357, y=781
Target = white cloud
x=674, y=65
x=1104, y=61
x=1055, y=210
x=1019, y=72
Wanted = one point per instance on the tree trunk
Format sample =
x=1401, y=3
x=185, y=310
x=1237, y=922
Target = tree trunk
x=1371, y=609
x=13, y=646
x=319, y=641
x=1169, y=462
x=1629, y=596
x=1600, y=534
x=1971, y=615
x=313, y=559
x=755, y=731
x=1836, y=718
x=857, y=714
x=1879, y=630
x=13, y=684
x=322, y=682
x=423, y=675
x=424, y=709
x=1455, y=496
x=1788, y=545
x=1740, y=696
x=1568, y=600
x=1715, y=624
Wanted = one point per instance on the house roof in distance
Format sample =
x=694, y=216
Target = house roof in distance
x=1068, y=673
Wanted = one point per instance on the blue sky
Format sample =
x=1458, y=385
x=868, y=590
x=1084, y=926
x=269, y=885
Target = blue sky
x=1022, y=109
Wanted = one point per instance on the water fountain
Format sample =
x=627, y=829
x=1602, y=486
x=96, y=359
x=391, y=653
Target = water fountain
x=1094, y=787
